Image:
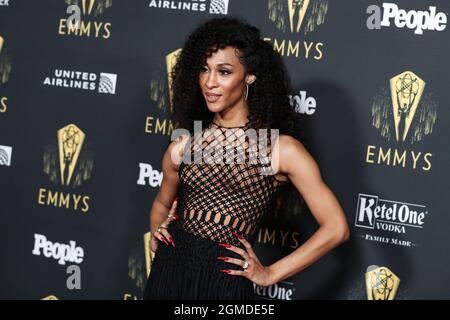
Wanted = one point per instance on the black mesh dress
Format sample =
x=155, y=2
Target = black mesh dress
x=214, y=200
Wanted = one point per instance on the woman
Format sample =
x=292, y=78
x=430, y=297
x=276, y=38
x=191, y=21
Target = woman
x=230, y=79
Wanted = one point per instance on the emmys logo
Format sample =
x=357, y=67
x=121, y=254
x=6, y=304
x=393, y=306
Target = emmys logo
x=70, y=141
x=139, y=265
x=375, y=213
x=86, y=27
x=297, y=10
x=381, y=283
x=68, y=163
x=210, y=6
x=149, y=176
x=51, y=297
x=278, y=291
x=5, y=155
x=5, y=69
x=160, y=89
x=59, y=251
x=297, y=16
x=102, y=83
x=4, y=3
x=406, y=90
x=414, y=20
x=404, y=113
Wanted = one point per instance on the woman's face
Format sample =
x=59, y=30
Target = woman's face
x=222, y=80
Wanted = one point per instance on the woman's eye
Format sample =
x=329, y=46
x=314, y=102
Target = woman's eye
x=222, y=72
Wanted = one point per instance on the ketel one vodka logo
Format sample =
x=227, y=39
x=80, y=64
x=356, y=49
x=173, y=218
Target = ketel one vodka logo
x=380, y=214
x=83, y=21
x=5, y=69
x=68, y=163
x=381, y=283
x=297, y=17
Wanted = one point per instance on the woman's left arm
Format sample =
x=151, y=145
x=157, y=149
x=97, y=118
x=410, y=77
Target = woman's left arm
x=291, y=158
x=297, y=163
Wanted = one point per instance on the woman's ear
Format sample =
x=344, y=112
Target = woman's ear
x=249, y=79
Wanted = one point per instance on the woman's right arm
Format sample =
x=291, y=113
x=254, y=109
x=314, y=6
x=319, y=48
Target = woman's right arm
x=168, y=191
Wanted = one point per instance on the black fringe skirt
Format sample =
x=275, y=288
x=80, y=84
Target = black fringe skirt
x=191, y=271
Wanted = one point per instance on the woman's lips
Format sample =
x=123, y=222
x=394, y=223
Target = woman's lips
x=212, y=97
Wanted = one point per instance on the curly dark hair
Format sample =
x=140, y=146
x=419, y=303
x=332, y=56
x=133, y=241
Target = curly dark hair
x=267, y=100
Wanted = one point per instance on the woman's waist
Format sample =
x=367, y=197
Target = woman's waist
x=232, y=219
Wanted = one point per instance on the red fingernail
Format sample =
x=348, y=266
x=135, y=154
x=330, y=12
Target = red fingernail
x=176, y=216
x=223, y=258
x=225, y=245
x=236, y=235
x=165, y=241
x=226, y=271
x=172, y=242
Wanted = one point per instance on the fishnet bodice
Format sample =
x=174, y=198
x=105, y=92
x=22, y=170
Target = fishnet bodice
x=216, y=197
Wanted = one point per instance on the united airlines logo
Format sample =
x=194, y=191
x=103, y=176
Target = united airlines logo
x=83, y=80
x=5, y=155
x=206, y=6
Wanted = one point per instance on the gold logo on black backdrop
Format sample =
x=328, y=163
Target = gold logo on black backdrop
x=68, y=163
x=51, y=297
x=296, y=16
x=381, y=283
x=403, y=113
x=406, y=91
x=139, y=265
x=70, y=141
x=297, y=10
x=161, y=93
x=5, y=69
x=171, y=60
x=90, y=9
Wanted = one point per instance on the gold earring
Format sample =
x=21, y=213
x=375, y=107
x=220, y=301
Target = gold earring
x=246, y=91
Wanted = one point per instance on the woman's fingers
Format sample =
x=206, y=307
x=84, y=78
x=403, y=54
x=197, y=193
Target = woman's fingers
x=160, y=237
x=174, y=207
x=246, y=244
x=237, y=262
x=172, y=214
x=239, y=251
x=167, y=236
x=154, y=244
x=162, y=234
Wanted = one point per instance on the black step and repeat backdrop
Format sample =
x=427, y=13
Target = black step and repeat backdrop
x=85, y=119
